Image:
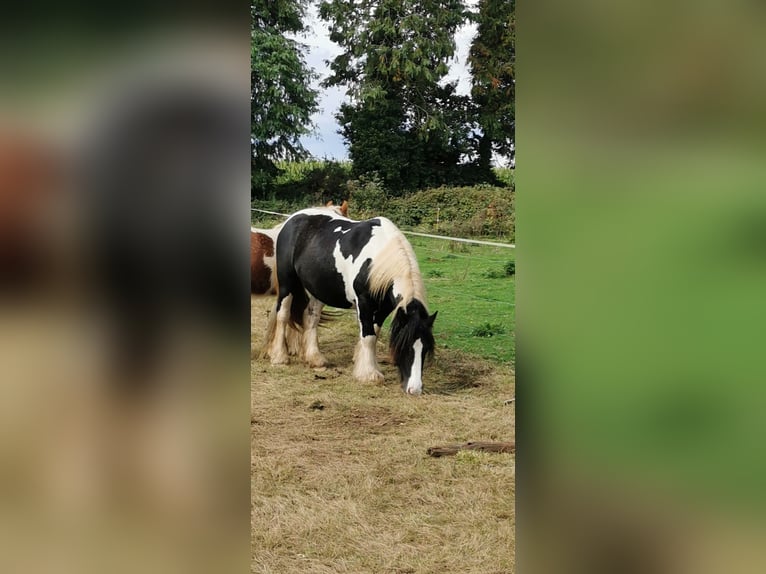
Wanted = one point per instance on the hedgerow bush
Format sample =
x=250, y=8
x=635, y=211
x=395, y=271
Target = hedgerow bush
x=506, y=176
x=368, y=196
x=464, y=211
x=312, y=182
x=480, y=210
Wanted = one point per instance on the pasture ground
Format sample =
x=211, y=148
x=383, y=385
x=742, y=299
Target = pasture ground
x=340, y=479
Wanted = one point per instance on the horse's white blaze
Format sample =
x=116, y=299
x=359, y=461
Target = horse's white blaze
x=415, y=382
x=339, y=229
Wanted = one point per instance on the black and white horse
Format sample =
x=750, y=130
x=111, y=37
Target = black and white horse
x=324, y=258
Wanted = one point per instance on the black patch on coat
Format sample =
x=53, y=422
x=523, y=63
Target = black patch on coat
x=306, y=244
x=354, y=235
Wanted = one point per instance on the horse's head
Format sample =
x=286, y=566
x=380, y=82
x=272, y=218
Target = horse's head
x=412, y=340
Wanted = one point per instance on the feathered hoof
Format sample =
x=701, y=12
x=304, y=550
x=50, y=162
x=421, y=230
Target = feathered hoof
x=279, y=359
x=369, y=377
x=316, y=361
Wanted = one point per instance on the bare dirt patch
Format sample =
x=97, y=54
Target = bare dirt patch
x=348, y=487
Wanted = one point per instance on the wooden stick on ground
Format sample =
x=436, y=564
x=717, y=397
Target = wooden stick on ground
x=449, y=450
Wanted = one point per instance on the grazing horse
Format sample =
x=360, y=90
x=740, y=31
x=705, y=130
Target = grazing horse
x=327, y=259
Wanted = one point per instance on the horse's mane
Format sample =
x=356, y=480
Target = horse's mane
x=397, y=262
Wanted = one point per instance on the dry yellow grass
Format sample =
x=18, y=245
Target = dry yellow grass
x=348, y=487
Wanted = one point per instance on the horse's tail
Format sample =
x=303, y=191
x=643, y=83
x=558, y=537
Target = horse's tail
x=294, y=340
x=293, y=335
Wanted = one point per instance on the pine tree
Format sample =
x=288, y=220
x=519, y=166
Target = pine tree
x=400, y=121
x=492, y=61
x=282, y=100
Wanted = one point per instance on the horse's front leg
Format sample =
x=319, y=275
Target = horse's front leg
x=365, y=360
x=311, y=317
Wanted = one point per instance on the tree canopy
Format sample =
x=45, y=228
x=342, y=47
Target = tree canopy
x=401, y=120
x=492, y=60
x=282, y=99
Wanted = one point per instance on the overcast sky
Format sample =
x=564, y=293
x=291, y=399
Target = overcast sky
x=327, y=143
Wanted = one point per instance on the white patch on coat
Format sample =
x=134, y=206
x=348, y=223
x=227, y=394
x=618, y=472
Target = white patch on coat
x=415, y=382
x=349, y=268
x=320, y=211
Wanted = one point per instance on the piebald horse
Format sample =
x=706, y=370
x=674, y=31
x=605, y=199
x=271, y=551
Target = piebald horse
x=328, y=259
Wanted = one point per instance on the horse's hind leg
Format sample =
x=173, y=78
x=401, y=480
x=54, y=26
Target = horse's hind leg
x=277, y=347
x=311, y=317
x=365, y=361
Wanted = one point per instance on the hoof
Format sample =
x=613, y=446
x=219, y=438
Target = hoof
x=316, y=361
x=279, y=360
x=373, y=377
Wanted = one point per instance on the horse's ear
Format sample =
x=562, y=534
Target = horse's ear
x=328, y=204
x=432, y=318
x=344, y=208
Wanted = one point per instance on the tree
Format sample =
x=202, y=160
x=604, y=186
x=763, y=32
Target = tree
x=400, y=121
x=492, y=60
x=282, y=100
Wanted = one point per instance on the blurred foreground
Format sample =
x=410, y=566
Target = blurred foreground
x=641, y=281
x=124, y=339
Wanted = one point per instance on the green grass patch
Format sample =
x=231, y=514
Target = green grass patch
x=467, y=301
x=488, y=330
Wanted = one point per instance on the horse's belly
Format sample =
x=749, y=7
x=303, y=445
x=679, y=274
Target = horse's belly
x=329, y=290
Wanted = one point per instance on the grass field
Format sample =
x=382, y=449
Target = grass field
x=340, y=479
x=475, y=297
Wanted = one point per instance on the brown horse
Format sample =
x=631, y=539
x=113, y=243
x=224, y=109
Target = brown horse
x=30, y=170
x=263, y=263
